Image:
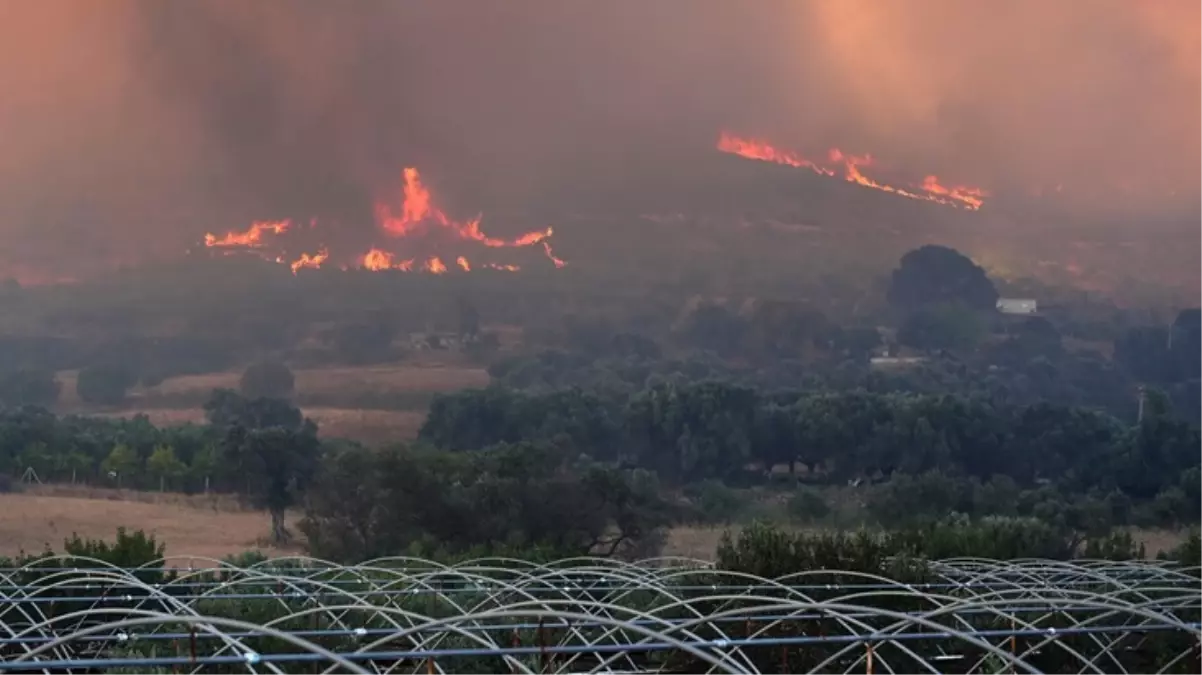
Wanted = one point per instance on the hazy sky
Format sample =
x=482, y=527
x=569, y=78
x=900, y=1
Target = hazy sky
x=131, y=127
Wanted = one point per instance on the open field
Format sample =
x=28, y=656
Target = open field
x=430, y=377
x=374, y=404
x=373, y=427
x=214, y=526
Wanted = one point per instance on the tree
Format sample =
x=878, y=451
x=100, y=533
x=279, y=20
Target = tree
x=226, y=408
x=164, y=465
x=856, y=342
x=691, y=432
x=278, y=464
x=205, y=466
x=781, y=329
x=75, y=463
x=938, y=275
x=933, y=328
x=122, y=463
x=530, y=497
x=715, y=328
x=28, y=386
x=1186, y=347
x=104, y=384
x=267, y=379
x=1143, y=351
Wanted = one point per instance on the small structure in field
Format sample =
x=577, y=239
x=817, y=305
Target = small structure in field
x=1017, y=306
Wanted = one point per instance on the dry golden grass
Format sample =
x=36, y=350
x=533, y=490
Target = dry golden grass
x=1158, y=541
x=222, y=503
x=698, y=541
x=404, y=378
x=42, y=517
x=176, y=400
x=385, y=378
x=365, y=426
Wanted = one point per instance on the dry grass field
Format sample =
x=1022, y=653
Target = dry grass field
x=214, y=527
x=178, y=400
x=189, y=525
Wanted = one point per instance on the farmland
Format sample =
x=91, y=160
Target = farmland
x=371, y=404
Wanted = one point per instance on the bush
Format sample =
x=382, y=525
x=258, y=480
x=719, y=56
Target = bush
x=268, y=379
x=807, y=504
x=714, y=502
x=129, y=550
x=770, y=552
x=910, y=499
x=104, y=384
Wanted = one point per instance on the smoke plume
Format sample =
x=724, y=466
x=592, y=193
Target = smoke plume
x=129, y=127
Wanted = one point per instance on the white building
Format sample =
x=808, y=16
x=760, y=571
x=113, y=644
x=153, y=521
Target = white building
x=1016, y=306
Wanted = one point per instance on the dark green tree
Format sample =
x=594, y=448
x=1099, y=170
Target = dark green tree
x=939, y=275
x=278, y=464
x=267, y=379
x=940, y=327
x=29, y=387
x=104, y=384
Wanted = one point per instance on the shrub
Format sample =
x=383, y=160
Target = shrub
x=127, y=550
x=714, y=502
x=807, y=504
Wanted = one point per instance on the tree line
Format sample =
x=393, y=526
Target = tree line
x=717, y=430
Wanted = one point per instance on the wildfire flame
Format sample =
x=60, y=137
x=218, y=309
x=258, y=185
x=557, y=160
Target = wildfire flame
x=551, y=254
x=930, y=190
x=252, y=237
x=417, y=208
x=434, y=265
x=376, y=260
x=313, y=261
x=416, y=215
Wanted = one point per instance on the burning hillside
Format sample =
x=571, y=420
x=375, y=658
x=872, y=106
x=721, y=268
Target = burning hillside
x=839, y=163
x=423, y=236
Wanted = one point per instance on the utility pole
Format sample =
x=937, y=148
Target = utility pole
x=1139, y=418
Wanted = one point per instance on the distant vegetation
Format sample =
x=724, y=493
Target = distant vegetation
x=615, y=412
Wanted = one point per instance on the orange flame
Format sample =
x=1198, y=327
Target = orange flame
x=503, y=268
x=532, y=237
x=969, y=195
x=550, y=254
x=417, y=214
x=931, y=190
x=756, y=149
x=252, y=237
x=376, y=260
x=434, y=265
x=313, y=261
x=418, y=207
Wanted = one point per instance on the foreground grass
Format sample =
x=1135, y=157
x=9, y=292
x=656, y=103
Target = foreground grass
x=43, y=516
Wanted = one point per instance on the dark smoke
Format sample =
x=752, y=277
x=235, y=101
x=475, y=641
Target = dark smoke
x=131, y=127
